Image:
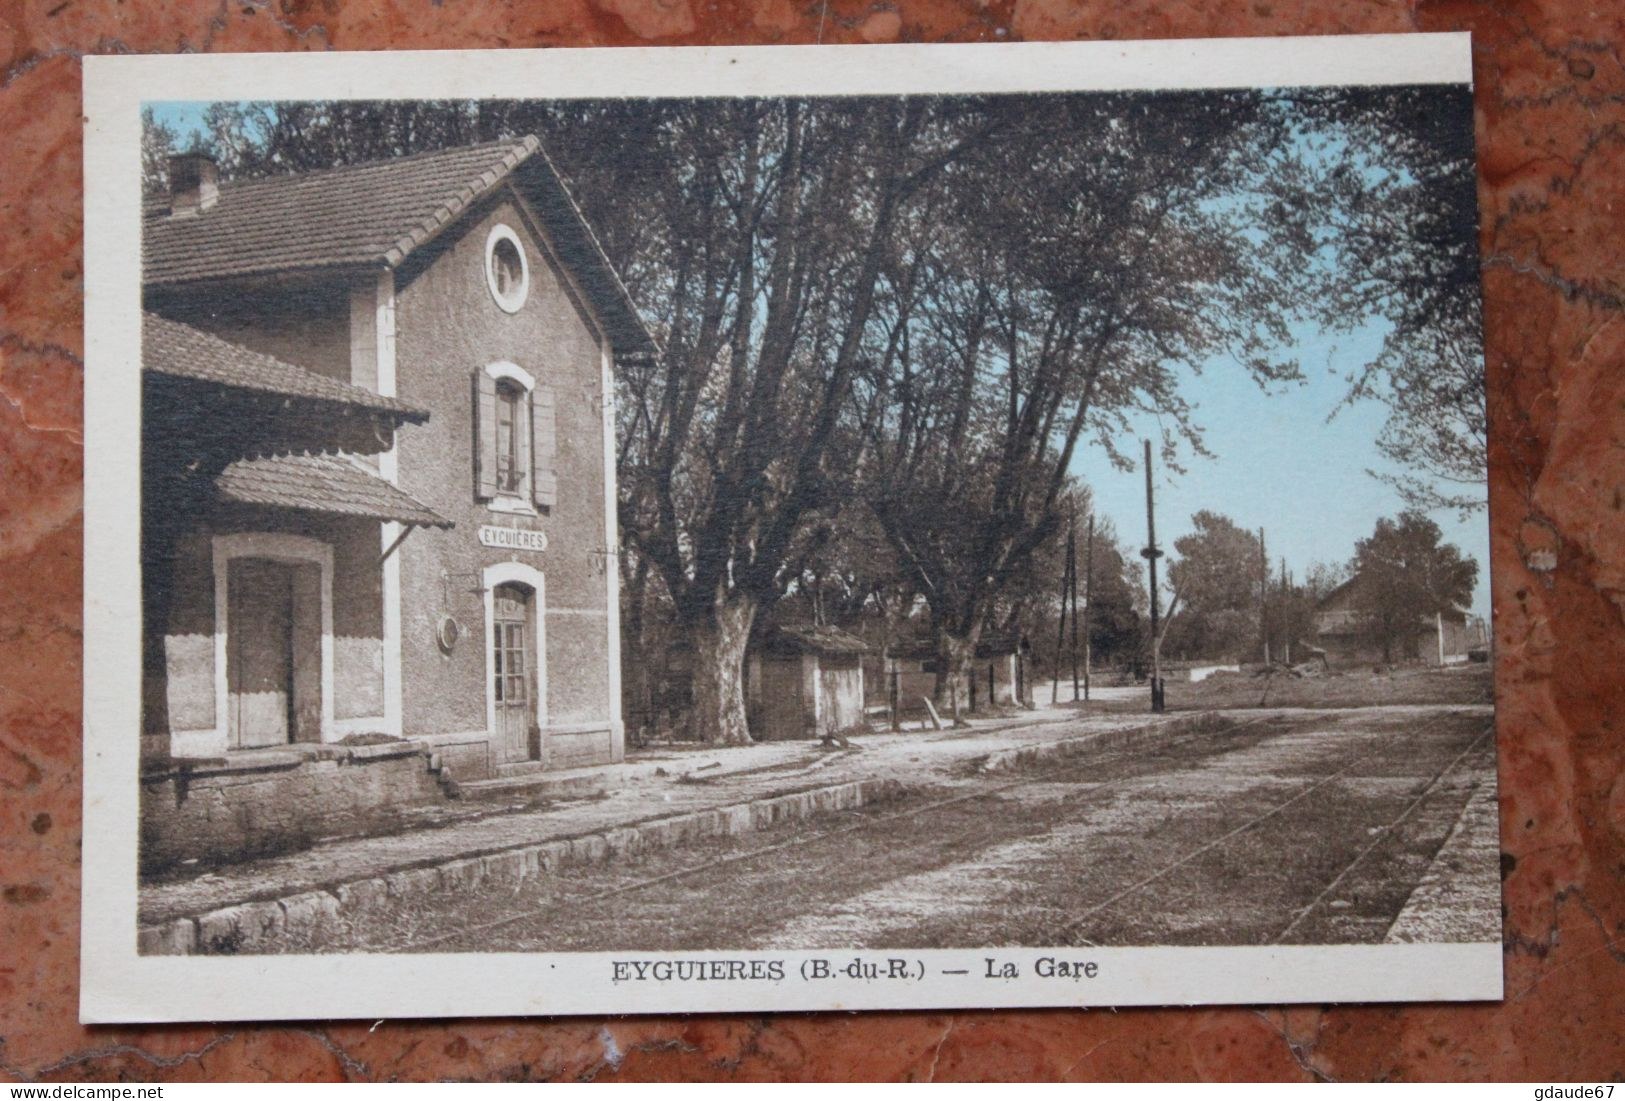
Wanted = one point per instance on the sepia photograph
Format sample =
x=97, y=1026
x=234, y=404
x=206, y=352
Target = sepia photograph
x=815, y=540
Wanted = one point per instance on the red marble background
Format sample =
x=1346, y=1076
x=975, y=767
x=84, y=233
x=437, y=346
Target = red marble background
x=1551, y=130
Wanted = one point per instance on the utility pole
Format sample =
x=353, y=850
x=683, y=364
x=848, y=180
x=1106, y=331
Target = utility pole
x=1151, y=554
x=1286, y=628
x=1263, y=595
x=1072, y=555
x=1068, y=583
x=1088, y=597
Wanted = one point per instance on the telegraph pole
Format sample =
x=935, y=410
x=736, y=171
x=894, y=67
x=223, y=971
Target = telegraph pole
x=1068, y=584
x=1286, y=628
x=1072, y=555
x=1088, y=596
x=1151, y=554
x=1263, y=595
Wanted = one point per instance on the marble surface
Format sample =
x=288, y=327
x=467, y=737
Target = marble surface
x=1551, y=127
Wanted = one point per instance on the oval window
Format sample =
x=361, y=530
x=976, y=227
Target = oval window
x=507, y=272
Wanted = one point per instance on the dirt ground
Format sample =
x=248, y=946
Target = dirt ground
x=1306, y=828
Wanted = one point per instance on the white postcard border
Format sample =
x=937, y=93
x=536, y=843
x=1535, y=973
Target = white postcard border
x=118, y=985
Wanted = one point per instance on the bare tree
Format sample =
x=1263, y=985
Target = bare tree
x=1073, y=271
x=777, y=219
x=1396, y=237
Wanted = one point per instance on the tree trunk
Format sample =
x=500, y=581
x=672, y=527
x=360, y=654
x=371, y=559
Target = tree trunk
x=955, y=656
x=716, y=681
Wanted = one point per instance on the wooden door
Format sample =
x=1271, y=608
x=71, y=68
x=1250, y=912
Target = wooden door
x=784, y=715
x=513, y=671
x=259, y=652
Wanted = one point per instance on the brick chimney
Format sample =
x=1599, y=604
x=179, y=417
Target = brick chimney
x=194, y=184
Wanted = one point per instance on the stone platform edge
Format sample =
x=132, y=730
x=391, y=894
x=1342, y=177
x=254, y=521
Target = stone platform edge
x=257, y=925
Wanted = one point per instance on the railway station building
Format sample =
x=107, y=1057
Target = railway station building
x=378, y=516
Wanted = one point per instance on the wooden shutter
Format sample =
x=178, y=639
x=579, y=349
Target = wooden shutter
x=485, y=436
x=544, y=447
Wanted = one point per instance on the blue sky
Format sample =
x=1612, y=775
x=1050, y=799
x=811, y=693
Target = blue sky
x=182, y=118
x=1278, y=462
x=1281, y=460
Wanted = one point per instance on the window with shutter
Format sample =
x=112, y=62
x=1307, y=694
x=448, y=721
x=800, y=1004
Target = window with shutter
x=485, y=435
x=514, y=440
x=544, y=479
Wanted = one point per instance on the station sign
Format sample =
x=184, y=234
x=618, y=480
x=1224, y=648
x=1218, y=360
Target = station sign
x=512, y=538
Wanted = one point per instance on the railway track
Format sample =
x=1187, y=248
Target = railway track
x=1068, y=933
x=1477, y=746
x=866, y=822
x=1379, y=837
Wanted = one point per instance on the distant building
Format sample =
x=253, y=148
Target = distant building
x=804, y=682
x=1344, y=635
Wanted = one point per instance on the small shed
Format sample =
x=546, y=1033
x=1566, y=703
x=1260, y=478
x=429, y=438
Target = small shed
x=999, y=670
x=804, y=682
x=995, y=676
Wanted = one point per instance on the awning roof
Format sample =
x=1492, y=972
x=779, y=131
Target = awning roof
x=177, y=350
x=322, y=483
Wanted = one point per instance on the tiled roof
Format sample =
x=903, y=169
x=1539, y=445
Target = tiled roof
x=1325, y=605
x=356, y=216
x=322, y=483
x=375, y=215
x=821, y=640
x=1336, y=592
x=925, y=649
x=544, y=188
x=181, y=351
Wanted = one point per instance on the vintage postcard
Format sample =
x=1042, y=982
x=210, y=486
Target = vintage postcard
x=788, y=528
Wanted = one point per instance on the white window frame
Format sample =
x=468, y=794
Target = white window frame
x=519, y=502
x=514, y=301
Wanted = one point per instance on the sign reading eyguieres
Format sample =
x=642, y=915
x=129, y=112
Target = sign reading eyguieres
x=512, y=538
